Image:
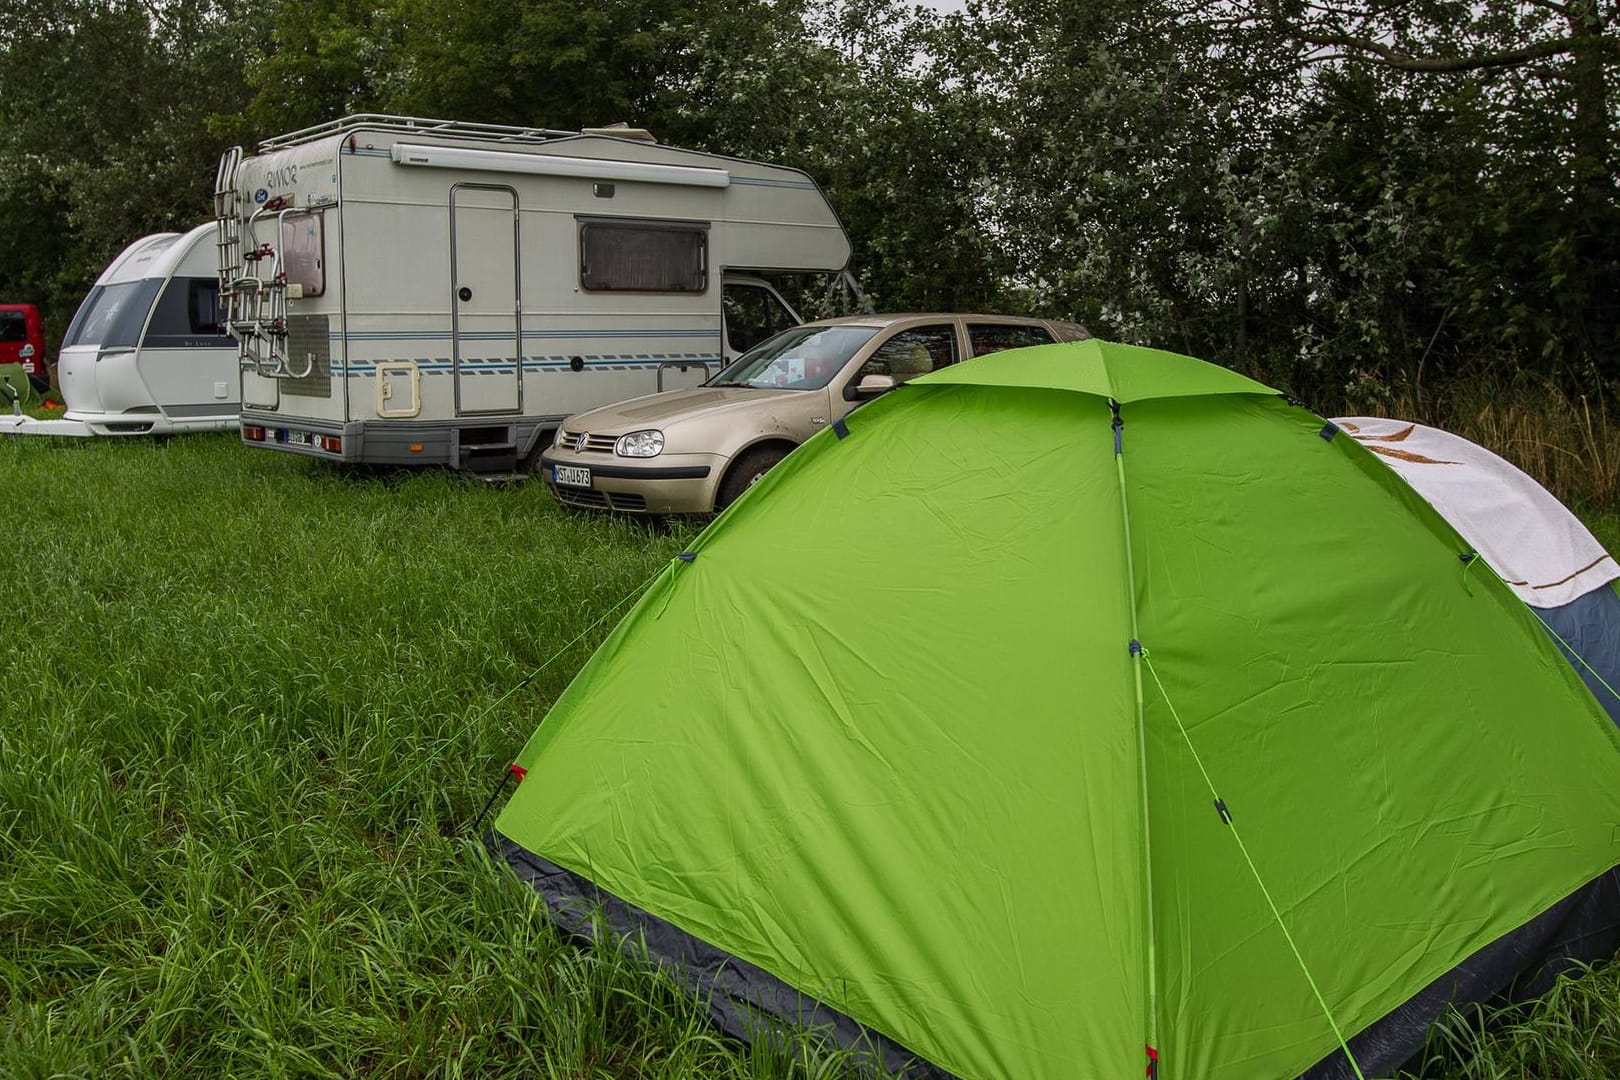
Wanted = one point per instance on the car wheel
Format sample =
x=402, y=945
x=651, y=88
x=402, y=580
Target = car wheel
x=746, y=473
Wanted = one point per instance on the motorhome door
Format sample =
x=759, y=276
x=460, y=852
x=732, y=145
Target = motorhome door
x=485, y=319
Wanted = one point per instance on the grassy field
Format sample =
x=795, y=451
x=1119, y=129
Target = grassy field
x=251, y=708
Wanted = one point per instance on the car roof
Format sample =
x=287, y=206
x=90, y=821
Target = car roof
x=887, y=319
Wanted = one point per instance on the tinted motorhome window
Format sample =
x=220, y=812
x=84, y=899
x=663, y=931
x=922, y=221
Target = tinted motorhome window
x=116, y=315
x=13, y=327
x=643, y=256
x=187, y=316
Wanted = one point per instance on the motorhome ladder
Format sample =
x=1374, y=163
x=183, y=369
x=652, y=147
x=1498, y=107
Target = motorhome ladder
x=252, y=283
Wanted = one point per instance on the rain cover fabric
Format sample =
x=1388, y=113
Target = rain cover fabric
x=885, y=736
x=1521, y=529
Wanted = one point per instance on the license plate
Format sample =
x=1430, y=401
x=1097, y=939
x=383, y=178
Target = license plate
x=297, y=438
x=571, y=475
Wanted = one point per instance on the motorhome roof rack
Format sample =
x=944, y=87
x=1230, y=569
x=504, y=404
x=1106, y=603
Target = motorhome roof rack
x=416, y=124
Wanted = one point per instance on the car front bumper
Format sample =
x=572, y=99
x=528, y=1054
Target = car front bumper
x=667, y=484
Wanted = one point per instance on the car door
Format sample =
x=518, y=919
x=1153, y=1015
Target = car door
x=904, y=353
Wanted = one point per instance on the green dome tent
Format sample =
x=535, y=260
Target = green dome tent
x=1082, y=711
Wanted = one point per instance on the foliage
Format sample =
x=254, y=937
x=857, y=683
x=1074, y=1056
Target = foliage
x=221, y=856
x=1317, y=193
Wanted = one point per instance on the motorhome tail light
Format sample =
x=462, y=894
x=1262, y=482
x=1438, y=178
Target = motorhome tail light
x=253, y=432
x=332, y=444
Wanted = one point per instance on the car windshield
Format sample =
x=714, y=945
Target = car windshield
x=112, y=315
x=803, y=358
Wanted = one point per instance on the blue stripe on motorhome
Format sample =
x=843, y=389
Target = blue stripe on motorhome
x=506, y=335
x=531, y=363
x=761, y=181
x=1590, y=624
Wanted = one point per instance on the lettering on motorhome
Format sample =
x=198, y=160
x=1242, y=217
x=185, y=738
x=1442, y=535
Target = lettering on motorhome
x=286, y=176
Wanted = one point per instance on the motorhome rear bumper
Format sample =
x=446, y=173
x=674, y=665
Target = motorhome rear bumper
x=394, y=442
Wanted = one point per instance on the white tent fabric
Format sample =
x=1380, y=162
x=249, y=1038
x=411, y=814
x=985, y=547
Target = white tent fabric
x=1524, y=533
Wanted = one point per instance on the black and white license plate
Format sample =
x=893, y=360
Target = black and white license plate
x=297, y=438
x=571, y=475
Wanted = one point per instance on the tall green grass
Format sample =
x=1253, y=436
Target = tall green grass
x=217, y=662
x=221, y=668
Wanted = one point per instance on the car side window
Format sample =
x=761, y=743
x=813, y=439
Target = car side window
x=993, y=337
x=912, y=352
x=752, y=315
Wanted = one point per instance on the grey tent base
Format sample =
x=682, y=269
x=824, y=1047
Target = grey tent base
x=745, y=1001
x=1517, y=967
x=749, y=1003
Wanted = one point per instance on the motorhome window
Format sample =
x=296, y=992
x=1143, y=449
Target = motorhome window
x=303, y=252
x=13, y=327
x=187, y=316
x=114, y=317
x=752, y=315
x=643, y=256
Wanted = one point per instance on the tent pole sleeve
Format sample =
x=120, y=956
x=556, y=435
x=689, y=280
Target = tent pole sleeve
x=1150, y=953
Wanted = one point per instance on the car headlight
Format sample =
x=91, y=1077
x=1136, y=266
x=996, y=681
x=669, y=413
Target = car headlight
x=640, y=444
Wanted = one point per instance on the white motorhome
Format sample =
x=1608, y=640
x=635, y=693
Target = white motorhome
x=147, y=353
x=422, y=291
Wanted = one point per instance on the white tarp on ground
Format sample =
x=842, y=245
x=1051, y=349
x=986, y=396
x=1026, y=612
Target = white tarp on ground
x=1525, y=534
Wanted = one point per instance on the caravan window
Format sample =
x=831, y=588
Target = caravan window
x=187, y=316
x=112, y=315
x=303, y=244
x=643, y=256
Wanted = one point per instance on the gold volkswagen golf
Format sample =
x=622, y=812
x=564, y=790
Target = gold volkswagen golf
x=693, y=451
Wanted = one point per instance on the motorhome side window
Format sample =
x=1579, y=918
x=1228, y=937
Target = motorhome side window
x=303, y=252
x=643, y=256
x=187, y=315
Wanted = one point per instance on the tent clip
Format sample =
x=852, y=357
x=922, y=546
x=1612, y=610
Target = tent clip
x=1329, y=430
x=1118, y=425
x=1220, y=808
x=687, y=556
x=1136, y=648
x=1468, y=558
x=1153, y=1063
x=840, y=428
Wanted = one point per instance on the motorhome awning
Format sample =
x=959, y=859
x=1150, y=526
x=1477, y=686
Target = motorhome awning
x=452, y=157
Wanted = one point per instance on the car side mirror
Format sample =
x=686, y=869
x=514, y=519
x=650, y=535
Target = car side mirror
x=873, y=385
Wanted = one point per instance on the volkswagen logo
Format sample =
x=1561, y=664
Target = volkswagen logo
x=579, y=443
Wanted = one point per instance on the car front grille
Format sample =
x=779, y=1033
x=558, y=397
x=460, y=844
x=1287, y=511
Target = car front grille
x=585, y=499
x=594, y=444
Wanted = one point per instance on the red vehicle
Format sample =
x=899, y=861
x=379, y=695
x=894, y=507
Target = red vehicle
x=22, y=341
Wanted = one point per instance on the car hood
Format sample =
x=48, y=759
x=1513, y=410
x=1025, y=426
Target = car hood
x=678, y=406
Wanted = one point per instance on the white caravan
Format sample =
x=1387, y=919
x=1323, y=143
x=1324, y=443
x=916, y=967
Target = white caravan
x=412, y=291
x=147, y=354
